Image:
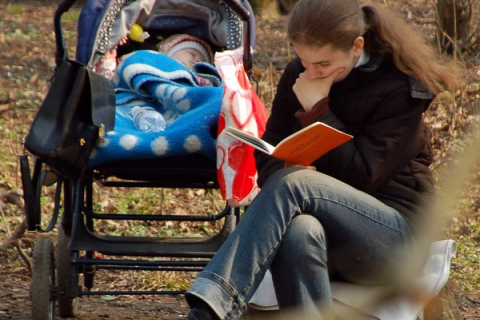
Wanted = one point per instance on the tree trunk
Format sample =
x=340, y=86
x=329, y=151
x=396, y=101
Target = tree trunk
x=453, y=24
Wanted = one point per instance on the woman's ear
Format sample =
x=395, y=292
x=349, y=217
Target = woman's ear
x=358, y=45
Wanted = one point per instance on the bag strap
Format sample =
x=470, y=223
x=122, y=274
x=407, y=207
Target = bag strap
x=102, y=95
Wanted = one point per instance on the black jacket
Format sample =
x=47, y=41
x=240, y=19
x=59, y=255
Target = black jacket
x=382, y=108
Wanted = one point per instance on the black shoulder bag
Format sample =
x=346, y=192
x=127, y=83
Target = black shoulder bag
x=79, y=106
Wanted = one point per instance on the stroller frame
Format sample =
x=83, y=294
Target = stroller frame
x=56, y=275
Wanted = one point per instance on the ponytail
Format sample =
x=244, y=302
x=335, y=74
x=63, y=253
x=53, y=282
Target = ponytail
x=387, y=33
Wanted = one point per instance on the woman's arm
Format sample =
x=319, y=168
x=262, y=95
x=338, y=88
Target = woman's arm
x=281, y=122
x=381, y=147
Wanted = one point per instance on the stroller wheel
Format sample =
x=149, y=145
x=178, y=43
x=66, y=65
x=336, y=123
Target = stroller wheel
x=42, y=290
x=67, y=307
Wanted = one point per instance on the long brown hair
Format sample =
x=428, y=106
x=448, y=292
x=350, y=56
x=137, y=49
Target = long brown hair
x=339, y=22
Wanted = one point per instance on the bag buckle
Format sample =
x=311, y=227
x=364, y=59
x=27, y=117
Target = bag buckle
x=101, y=130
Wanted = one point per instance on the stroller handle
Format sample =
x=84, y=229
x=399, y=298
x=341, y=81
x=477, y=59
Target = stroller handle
x=235, y=5
x=61, y=52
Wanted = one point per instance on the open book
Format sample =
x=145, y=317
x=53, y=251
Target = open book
x=303, y=147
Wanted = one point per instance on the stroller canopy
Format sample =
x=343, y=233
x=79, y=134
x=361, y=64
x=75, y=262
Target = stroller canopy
x=102, y=24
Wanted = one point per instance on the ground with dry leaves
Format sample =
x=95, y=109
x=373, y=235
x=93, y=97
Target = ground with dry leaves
x=26, y=62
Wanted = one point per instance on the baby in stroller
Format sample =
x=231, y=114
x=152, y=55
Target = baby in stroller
x=170, y=75
x=185, y=48
x=188, y=50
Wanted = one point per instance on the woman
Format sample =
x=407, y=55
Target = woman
x=359, y=213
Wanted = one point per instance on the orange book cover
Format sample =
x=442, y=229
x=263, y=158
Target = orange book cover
x=303, y=147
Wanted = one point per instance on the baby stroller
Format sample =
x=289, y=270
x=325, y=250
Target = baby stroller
x=81, y=251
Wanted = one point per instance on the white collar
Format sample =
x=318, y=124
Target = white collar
x=364, y=57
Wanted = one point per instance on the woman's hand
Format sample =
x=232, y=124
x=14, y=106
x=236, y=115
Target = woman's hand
x=310, y=91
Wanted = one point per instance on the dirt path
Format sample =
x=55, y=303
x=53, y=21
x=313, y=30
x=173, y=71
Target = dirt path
x=15, y=305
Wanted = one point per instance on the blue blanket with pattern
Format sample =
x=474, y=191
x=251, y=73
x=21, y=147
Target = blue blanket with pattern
x=191, y=111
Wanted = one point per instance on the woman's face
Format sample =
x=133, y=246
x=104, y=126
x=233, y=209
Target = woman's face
x=321, y=62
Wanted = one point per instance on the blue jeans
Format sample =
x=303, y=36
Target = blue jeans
x=306, y=227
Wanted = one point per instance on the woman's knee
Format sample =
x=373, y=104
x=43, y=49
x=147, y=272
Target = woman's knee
x=282, y=176
x=302, y=179
x=290, y=178
x=304, y=235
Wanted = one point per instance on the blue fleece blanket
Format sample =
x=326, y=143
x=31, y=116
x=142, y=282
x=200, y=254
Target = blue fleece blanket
x=191, y=111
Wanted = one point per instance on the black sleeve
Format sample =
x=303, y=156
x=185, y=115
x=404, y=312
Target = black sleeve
x=383, y=146
x=281, y=122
